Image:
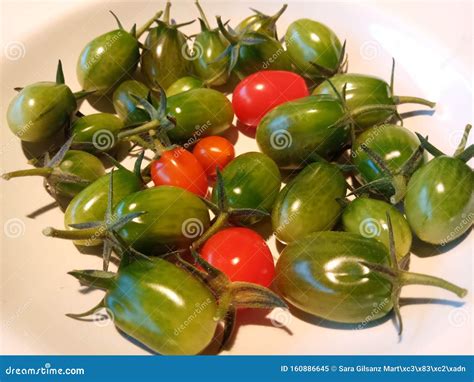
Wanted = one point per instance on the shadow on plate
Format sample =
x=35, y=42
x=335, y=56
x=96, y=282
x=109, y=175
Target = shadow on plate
x=423, y=250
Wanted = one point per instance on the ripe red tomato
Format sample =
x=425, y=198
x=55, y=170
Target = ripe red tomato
x=178, y=167
x=260, y=92
x=212, y=152
x=242, y=254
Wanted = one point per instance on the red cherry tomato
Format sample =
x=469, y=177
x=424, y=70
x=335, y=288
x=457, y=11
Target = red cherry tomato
x=212, y=152
x=178, y=167
x=260, y=92
x=242, y=254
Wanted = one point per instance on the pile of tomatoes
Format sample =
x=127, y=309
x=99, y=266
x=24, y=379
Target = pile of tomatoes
x=358, y=183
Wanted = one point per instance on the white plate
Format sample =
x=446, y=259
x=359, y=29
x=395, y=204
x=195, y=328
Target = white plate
x=434, y=60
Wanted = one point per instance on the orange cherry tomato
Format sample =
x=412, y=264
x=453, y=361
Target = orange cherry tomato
x=214, y=152
x=178, y=167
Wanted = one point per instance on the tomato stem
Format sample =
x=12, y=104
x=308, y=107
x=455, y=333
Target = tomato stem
x=147, y=25
x=368, y=108
x=138, y=130
x=463, y=142
x=410, y=278
x=42, y=171
x=166, y=16
x=94, y=233
x=407, y=99
x=220, y=221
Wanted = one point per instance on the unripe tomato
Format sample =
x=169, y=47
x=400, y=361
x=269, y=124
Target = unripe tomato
x=242, y=254
x=260, y=92
x=212, y=152
x=178, y=167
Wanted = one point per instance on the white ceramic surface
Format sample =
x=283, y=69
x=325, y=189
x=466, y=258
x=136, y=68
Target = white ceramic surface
x=434, y=60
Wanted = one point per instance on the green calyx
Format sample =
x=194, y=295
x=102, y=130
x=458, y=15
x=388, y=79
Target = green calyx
x=224, y=213
x=159, y=122
x=397, y=180
x=52, y=173
x=462, y=152
x=231, y=295
x=106, y=230
x=137, y=33
x=235, y=43
x=400, y=278
x=326, y=73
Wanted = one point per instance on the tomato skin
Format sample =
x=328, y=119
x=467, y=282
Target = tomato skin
x=212, y=152
x=178, y=167
x=260, y=92
x=242, y=254
x=139, y=293
x=439, y=203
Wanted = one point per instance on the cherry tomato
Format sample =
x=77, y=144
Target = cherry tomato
x=260, y=92
x=212, y=152
x=178, y=167
x=242, y=254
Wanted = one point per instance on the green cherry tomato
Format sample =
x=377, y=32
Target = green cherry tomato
x=208, y=47
x=368, y=217
x=267, y=54
x=309, y=42
x=107, y=60
x=82, y=164
x=166, y=296
x=363, y=90
x=393, y=144
x=199, y=112
x=174, y=218
x=40, y=110
x=96, y=132
x=294, y=132
x=259, y=22
x=251, y=180
x=183, y=85
x=164, y=58
x=251, y=52
x=321, y=275
x=90, y=204
x=308, y=202
x=126, y=105
x=333, y=275
x=439, y=202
